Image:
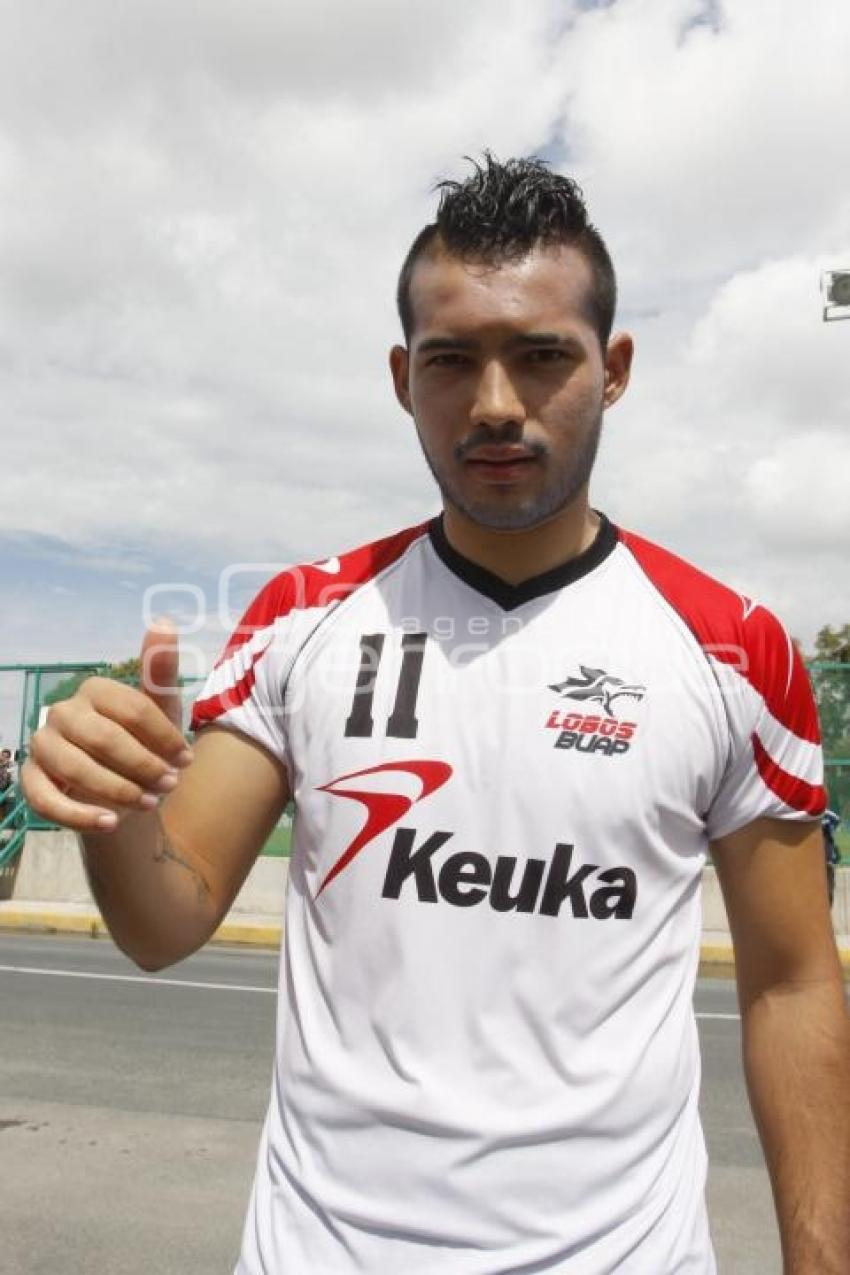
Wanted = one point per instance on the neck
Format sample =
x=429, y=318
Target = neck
x=515, y=556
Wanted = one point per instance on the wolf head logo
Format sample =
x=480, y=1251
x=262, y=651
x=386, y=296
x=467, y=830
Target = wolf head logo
x=597, y=686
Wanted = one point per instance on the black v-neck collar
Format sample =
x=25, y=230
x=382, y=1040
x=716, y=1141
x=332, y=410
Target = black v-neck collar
x=511, y=596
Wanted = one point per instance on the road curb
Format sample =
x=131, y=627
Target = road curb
x=45, y=921
x=249, y=933
x=715, y=958
x=36, y=920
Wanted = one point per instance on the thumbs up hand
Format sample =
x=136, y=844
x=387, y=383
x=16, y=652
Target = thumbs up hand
x=111, y=749
x=160, y=661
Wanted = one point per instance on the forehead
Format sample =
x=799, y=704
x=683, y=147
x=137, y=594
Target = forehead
x=547, y=289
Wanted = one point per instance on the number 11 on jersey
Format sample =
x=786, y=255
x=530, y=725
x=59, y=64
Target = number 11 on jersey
x=402, y=722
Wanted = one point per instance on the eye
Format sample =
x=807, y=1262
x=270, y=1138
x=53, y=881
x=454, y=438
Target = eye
x=548, y=354
x=450, y=358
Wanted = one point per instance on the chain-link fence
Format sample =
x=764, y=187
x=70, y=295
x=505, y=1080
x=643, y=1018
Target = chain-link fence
x=831, y=683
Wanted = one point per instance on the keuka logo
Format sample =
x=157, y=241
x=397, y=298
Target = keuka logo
x=466, y=879
x=383, y=809
x=605, y=734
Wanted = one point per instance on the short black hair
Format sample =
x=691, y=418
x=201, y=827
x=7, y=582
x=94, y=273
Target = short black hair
x=499, y=214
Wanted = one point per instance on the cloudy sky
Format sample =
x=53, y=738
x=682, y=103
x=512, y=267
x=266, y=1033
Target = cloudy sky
x=203, y=207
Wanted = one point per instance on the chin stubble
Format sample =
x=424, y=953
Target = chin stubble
x=558, y=492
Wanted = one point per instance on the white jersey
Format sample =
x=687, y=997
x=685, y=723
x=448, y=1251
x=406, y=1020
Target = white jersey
x=487, y=1059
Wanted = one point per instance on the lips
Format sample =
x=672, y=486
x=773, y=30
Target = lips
x=493, y=459
x=500, y=464
x=502, y=455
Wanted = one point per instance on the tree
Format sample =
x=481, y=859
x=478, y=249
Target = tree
x=833, y=644
x=125, y=671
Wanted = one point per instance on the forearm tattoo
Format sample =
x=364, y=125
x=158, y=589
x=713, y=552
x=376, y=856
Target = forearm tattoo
x=166, y=853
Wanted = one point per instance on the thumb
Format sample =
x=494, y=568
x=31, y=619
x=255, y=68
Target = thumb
x=160, y=661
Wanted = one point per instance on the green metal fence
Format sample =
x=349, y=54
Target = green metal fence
x=831, y=683
x=46, y=684
x=14, y=824
x=42, y=684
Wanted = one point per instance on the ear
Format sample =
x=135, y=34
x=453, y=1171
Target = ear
x=400, y=369
x=618, y=366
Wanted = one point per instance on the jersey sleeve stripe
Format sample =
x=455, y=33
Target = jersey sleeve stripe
x=806, y=798
x=735, y=631
x=800, y=758
x=786, y=692
x=314, y=587
x=319, y=585
x=234, y=693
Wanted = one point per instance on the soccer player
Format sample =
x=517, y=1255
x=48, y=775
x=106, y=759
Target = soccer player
x=512, y=735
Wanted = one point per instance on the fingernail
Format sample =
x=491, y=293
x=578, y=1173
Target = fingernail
x=107, y=821
x=185, y=758
x=167, y=782
x=149, y=801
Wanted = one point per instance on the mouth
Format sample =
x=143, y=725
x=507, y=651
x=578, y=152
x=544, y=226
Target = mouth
x=503, y=464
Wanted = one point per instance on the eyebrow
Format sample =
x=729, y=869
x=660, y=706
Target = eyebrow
x=444, y=343
x=541, y=340
x=523, y=340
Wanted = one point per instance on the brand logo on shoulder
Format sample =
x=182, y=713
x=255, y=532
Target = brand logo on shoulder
x=605, y=733
x=331, y=566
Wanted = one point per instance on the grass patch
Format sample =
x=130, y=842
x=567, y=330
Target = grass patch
x=842, y=840
x=278, y=844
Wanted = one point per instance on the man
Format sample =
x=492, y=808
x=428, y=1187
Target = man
x=7, y=775
x=830, y=823
x=511, y=735
x=6, y=782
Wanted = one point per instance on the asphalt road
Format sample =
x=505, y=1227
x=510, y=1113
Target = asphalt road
x=130, y=1107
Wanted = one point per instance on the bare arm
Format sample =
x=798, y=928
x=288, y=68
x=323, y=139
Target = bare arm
x=164, y=874
x=796, y=1033
x=165, y=880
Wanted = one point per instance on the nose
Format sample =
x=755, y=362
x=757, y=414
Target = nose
x=496, y=400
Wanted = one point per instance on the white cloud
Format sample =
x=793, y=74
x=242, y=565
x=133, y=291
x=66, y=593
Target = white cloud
x=711, y=145
x=805, y=475
x=733, y=445
x=780, y=363
x=204, y=212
